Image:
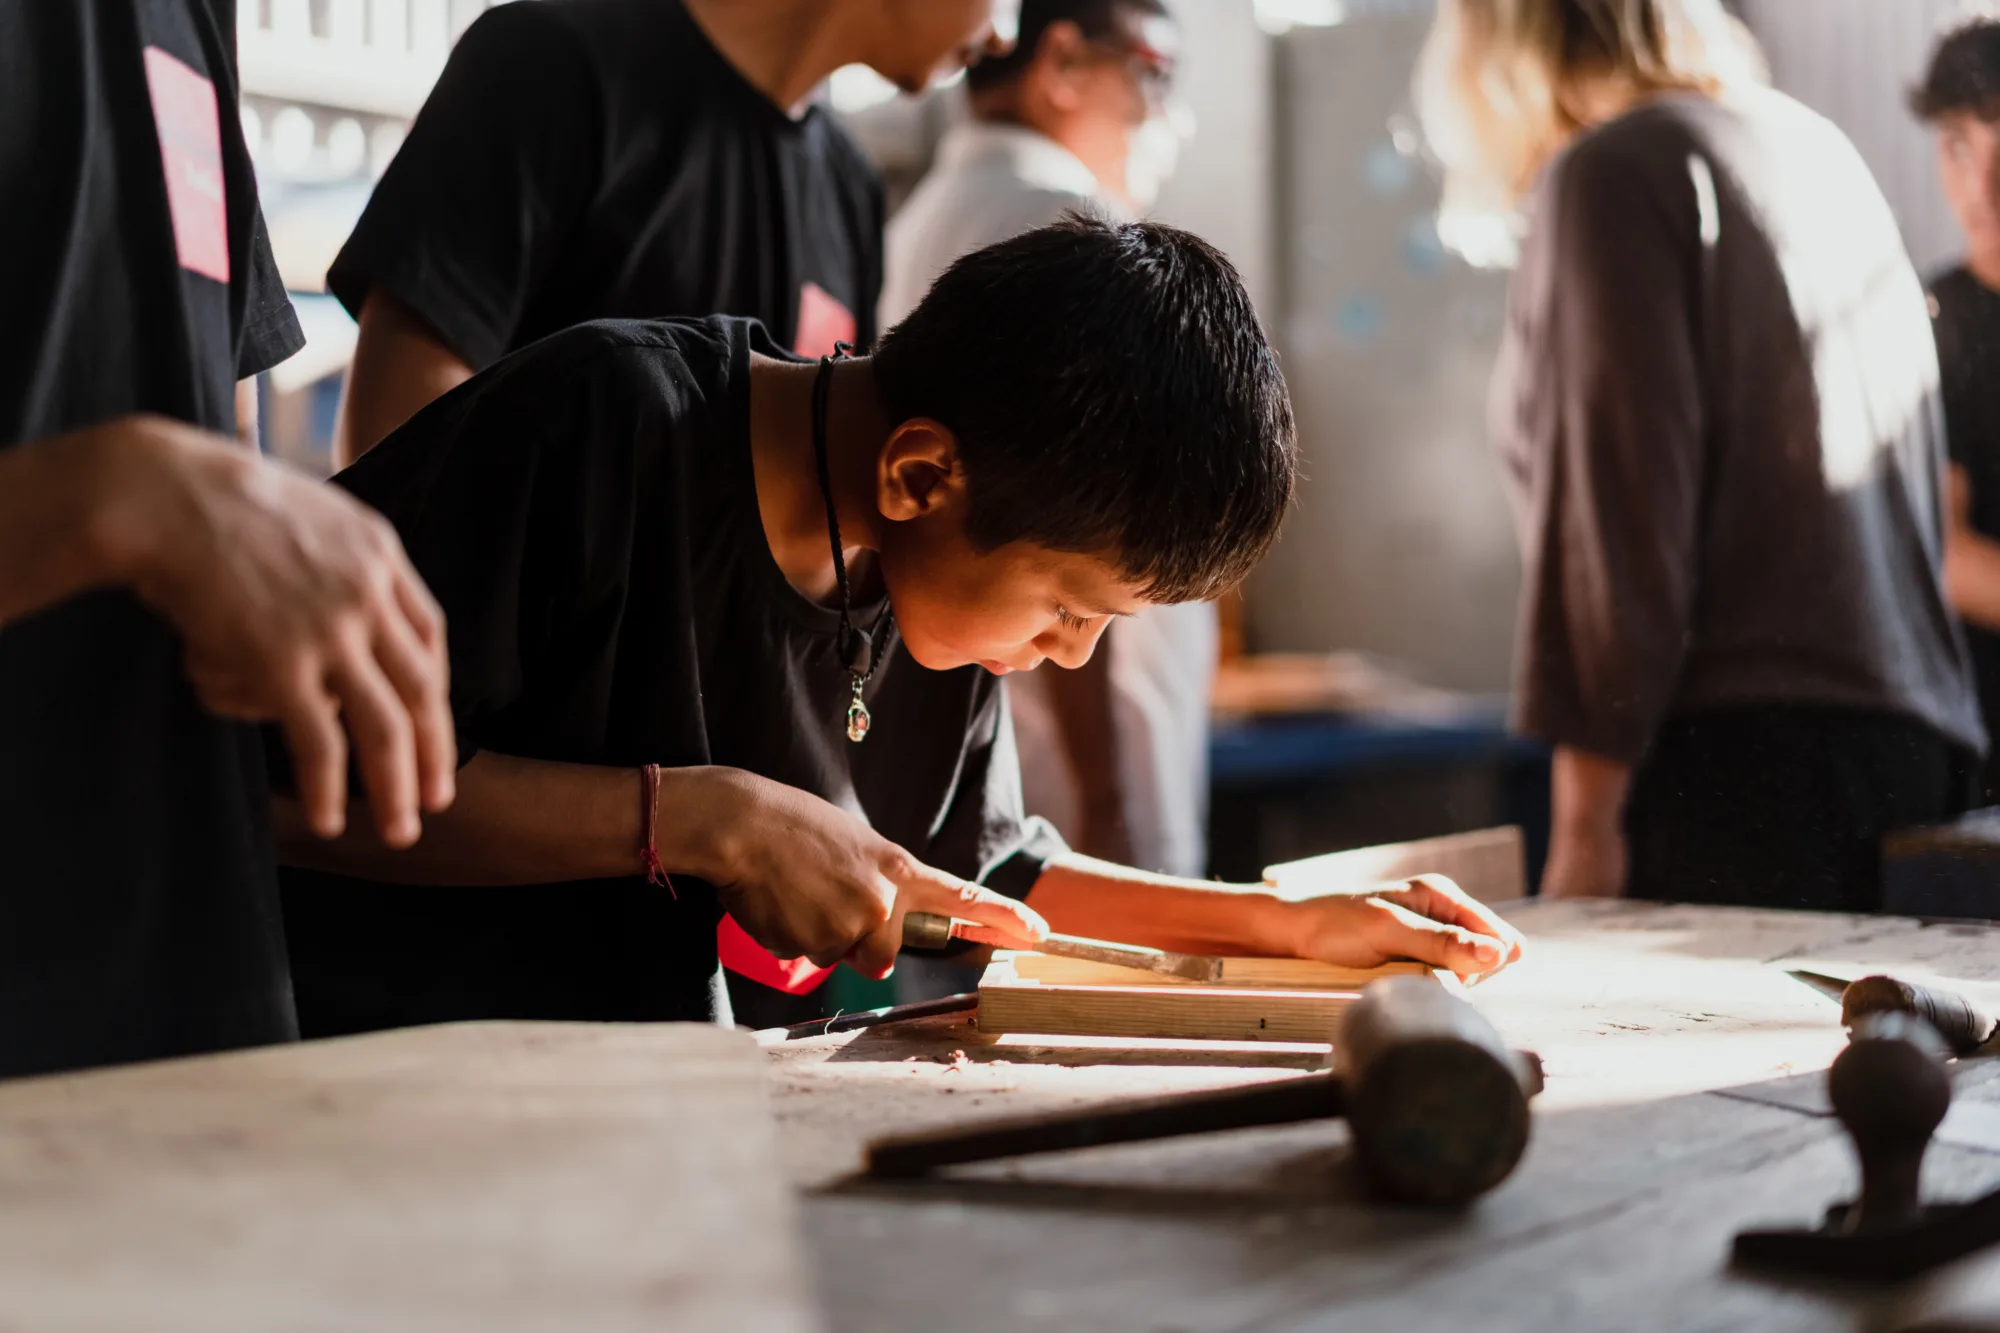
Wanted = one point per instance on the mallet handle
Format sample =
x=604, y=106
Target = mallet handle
x=1279, y=1103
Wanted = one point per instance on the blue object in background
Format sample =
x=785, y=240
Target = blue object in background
x=1423, y=253
x=1359, y=318
x=1386, y=171
x=1284, y=757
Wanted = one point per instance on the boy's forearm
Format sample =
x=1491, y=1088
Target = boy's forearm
x=517, y=821
x=1082, y=896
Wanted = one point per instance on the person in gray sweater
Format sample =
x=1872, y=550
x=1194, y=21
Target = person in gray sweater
x=1716, y=407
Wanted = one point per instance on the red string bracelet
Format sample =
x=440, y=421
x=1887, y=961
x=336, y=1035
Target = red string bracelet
x=649, y=816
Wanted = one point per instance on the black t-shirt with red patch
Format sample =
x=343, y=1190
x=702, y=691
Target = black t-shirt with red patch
x=589, y=159
x=138, y=902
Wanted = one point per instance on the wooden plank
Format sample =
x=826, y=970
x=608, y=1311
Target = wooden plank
x=1489, y=864
x=1139, y=1004
x=490, y=1177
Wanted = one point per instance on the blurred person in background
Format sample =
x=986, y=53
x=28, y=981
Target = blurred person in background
x=1077, y=118
x=596, y=159
x=1716, y=407
x=160, y=585
x=593, y=159
x=1959, y=99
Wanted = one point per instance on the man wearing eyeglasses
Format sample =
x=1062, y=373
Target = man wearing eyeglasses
x=1079, y=116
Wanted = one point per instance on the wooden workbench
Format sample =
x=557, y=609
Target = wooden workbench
x=1684, y=1102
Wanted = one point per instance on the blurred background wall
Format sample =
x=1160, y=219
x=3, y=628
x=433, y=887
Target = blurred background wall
x=1305, y=168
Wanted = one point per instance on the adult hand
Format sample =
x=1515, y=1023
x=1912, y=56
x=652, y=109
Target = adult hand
x=806, y=878
x=295, y=603
x=1585, y=862
x=1428, y=918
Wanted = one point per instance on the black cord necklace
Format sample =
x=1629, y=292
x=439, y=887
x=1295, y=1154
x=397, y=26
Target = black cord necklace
x=861, y=650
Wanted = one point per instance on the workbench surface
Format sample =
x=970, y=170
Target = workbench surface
x=1684, y=1102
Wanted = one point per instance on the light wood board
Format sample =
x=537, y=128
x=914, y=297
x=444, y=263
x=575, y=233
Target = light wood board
x=489, y=1177
x=1489, y=864
x=1028, y=992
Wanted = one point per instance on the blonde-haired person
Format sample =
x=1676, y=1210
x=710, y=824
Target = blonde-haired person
x=1716, y=407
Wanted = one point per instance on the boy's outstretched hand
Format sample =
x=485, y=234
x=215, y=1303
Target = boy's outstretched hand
x=1428, y=918
x=806, y=878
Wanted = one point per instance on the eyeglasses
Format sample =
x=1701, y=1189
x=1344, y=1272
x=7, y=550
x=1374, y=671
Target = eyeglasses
x=1152, y=70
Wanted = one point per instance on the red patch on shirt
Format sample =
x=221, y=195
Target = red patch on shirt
x=823, y=321
x=190, y=129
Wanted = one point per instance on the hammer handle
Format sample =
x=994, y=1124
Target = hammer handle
x=1279, y=1103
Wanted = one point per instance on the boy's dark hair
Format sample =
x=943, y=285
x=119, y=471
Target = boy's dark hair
x=1964, y=74
x=1098, y=20
x=1112, y=394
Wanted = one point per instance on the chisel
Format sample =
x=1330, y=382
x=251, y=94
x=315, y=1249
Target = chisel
x=870, y=1018
x=929, y=932
x=1966, y=1028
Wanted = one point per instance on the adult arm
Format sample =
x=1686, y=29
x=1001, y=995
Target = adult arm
x=294, y=602
x=400, y=364
x=1429, y=919
x=1611, y=408
x=1587, y=856
x=1971, y=558
x=802, y=876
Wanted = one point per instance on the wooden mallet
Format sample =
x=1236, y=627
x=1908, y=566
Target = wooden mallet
x=1437, y=1102
x=1890, y=1091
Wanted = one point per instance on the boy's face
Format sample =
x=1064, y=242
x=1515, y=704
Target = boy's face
x=1969, y=166
x=925, y=41
x=1006, y=609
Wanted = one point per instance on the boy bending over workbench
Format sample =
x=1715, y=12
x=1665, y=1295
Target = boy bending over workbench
x=726, y=629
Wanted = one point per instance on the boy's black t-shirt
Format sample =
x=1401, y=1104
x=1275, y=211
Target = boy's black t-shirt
x=586, y=513
x=138, y=902
x=596, y=159
x=1967, y=323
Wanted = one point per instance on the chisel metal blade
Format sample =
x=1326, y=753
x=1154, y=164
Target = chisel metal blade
x=1832, y=987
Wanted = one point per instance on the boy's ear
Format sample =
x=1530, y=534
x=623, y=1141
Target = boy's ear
x=919, y=473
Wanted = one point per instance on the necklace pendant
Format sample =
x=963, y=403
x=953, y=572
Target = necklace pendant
x=858, y=720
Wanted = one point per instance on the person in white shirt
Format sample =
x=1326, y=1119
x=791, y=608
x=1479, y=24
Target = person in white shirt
x=1114, y=754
